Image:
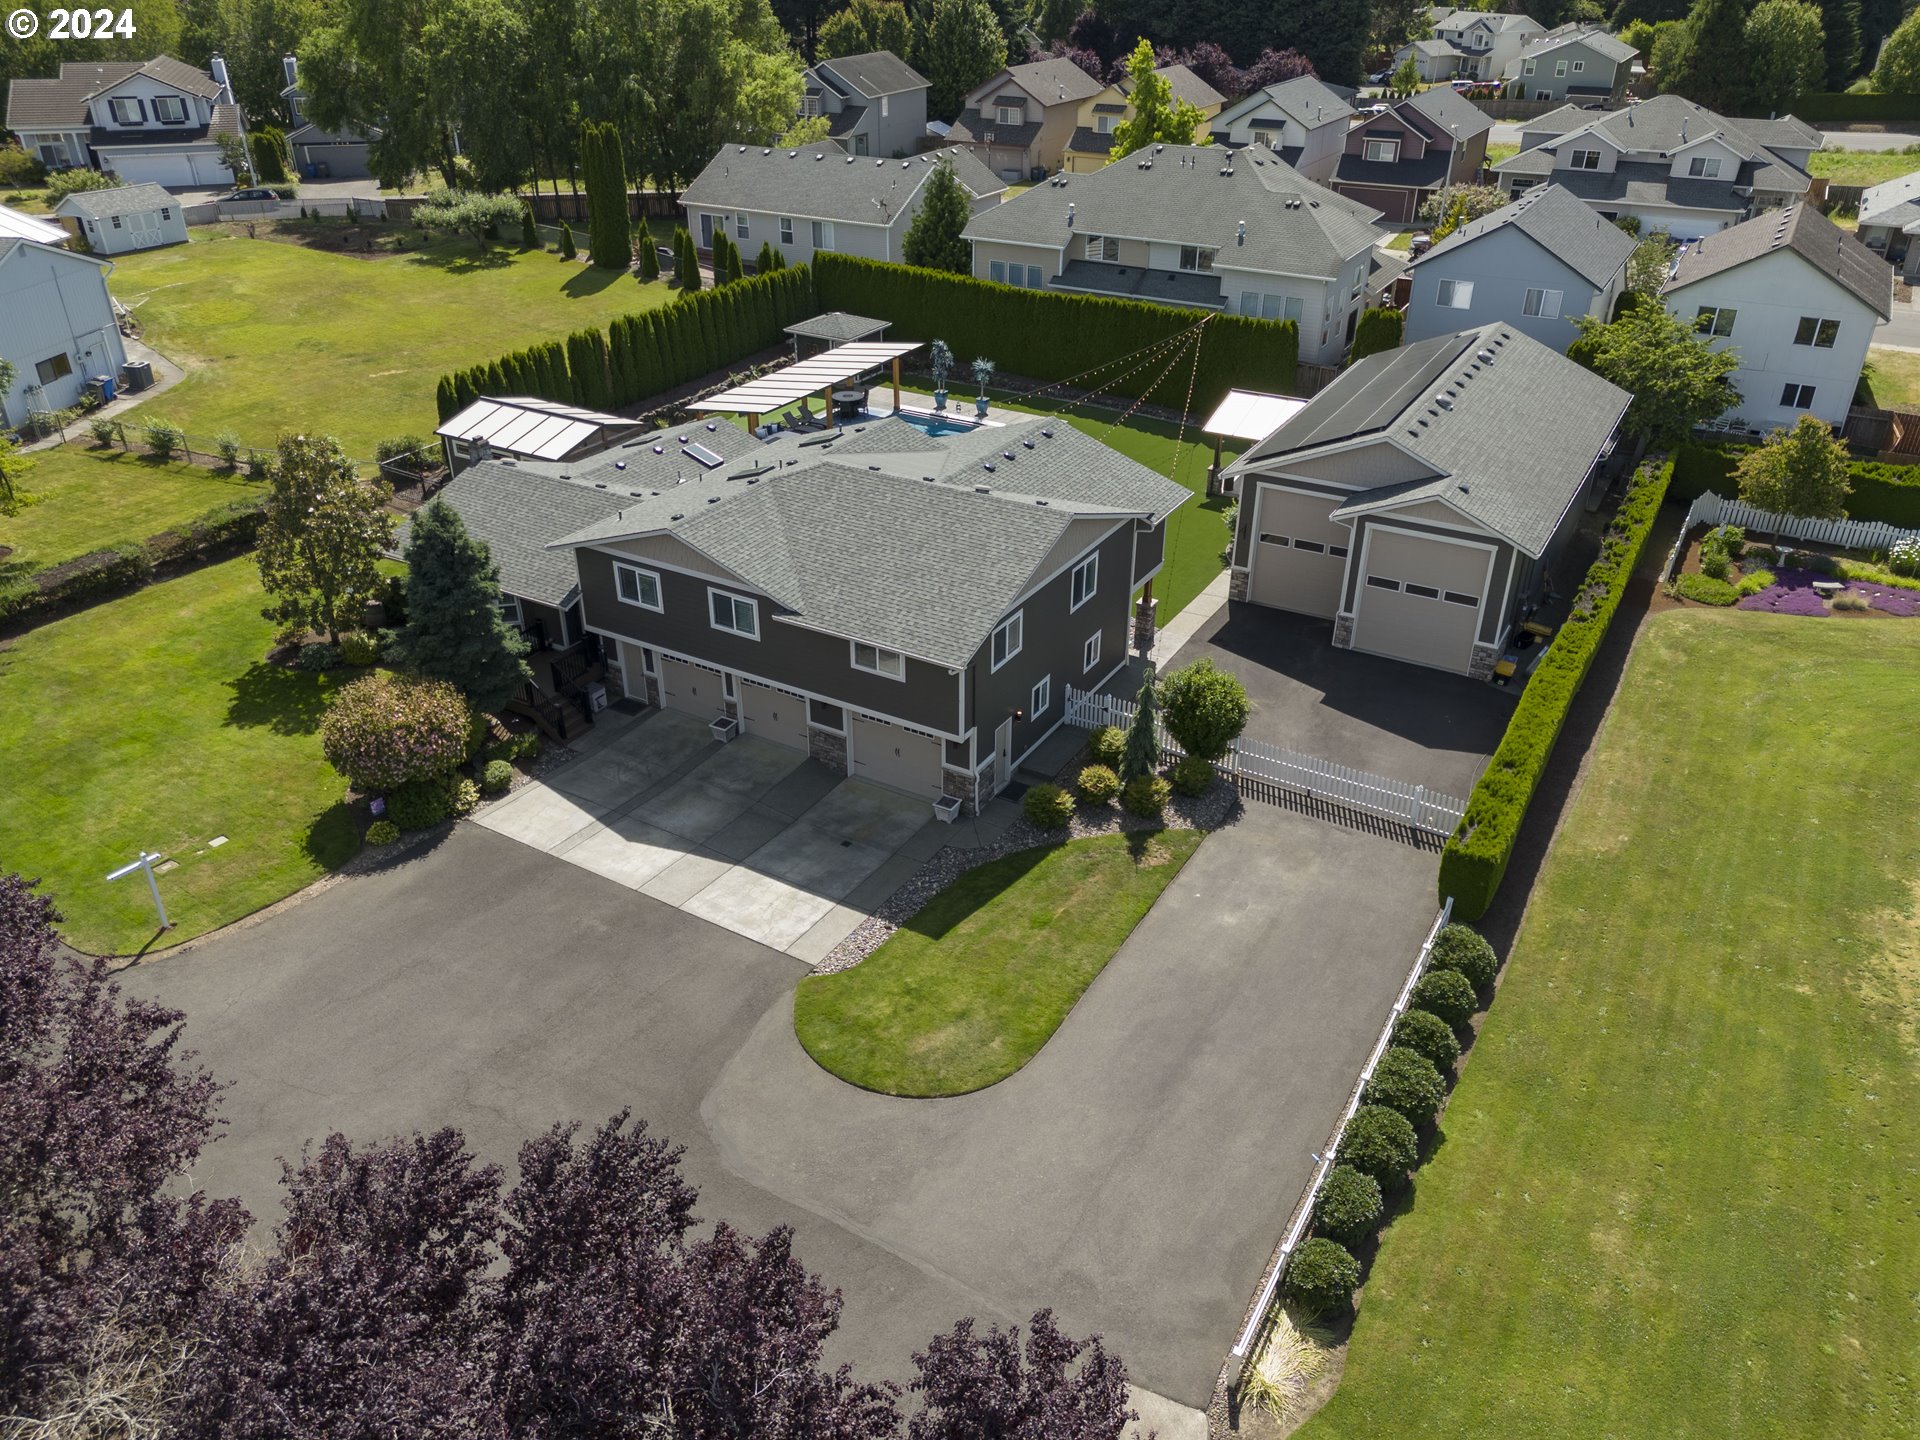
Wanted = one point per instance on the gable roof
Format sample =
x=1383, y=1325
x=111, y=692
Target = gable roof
x=1891, y=202
x=12, y=245
x=1053, y=80
x=1595, y=38
x=61, y=102
x=877, y=73
x=1305, y=99
x=1560, y=224
x=823, y=182
x=1446, y=112
x=1663, y=126
x=1184, y=84
x=120, y=200
x=1195, y=195
x=1807, y=233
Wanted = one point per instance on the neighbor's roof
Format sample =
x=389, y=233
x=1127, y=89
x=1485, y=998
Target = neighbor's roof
x=1807, y=233
x=1594, y=38
x=539, y=429
x=1195, y=195
x=1892, y=202
x=120, y=200
x=805, y=378
x=1251, y=414
x=1560, y=224
x=1053, y=81
x=877, y=73
x=1467, y=405
x=1493, y=20
x=1184, y=84
x=1444, y=111
x=61, y=103
x=823, y=182
x=11, y=245
x=1306, y=99
x=1662, y=126
x=17, y=225
x=839, y=328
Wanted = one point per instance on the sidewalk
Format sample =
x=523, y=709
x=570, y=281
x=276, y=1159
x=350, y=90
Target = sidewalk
x=166, y=375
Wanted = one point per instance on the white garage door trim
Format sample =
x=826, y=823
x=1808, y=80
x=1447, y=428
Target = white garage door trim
x=693, y=689
x=915, y=770
x=1406, y=593
x=774, y=714
x=1299, y=555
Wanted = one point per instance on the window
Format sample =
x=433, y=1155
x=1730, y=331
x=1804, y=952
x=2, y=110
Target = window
x=1544, y=304
x=166, y=212
x=648, y=665
x=1578, y=66
x=1454, y=295
x=885, y=106
x=637, y=586
x=1033, y=277
x=735, y=613
x=997, y=271
x=1527, y=69
x=823, y=235
x=1387, y=150
x=1559, y=68
x=1339, y=551
x=116, y=222
x=1007, y=640
x=56, y=367
x=1090, y=652
x=1103, y=124
x=1274, y=540
x=1102, y=247
x=1714, y=320
x=875, y=661
x=1425, y=592
x=1269, y=307
x=740, y=227
x=1818, y=333
x=1543, y=94
x=169, y=109
x=510, y=611
x=1086, y=580
x=1380, y=582
x=1195, y=257
x=1454, y=597
x=786, y=229
x=126, y=111
x=1797, y=397
x=1586, y=160
x=810, y=104
x=1704, y=167
x=1042, y=698
x=1006, y=114
x=1312, y=547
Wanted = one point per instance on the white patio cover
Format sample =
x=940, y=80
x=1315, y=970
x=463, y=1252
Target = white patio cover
x=542, y=429
x=1251, y=415
x=793, y=383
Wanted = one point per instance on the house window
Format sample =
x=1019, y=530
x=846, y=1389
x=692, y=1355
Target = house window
x=1544, y=304
x=1103, y=124
x=786, y=229
x=1559, y=68
x=735, y=613
x=823, y=235
x=1269, y=307
x=1528, y=68
x=1086, y=579
x=997, y=271
x=1543, y=94
x=56, y=367
x=1387, y=150
x=1578, y=66
x=126, y=110
x=510, y=611
x=1007, y=639
x=1042, y=699
x=169, y=110
x=1586, y=160
x=637, y=586
x=1797, y=397
x=1033, y=276
x=1090, y=652
x=1006, y=114
x=1195, y=257
x=885, y=106
x=1820, y=334
x=875, y=661
x=1454, y=295
x=1102, y=247
x=1704, y=167
x=1714, y=320
x=726, y=685
x=740, y=227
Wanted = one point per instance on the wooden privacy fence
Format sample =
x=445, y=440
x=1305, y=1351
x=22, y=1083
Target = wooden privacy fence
x=1251, y=761
x=1885, y=432
x=1711, y=509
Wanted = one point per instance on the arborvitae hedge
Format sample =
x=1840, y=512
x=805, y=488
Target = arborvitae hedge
x=1050, y=335
x=1379, y=329
x=1888, y=493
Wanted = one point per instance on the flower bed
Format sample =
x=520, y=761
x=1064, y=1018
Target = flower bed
x=1792, y=593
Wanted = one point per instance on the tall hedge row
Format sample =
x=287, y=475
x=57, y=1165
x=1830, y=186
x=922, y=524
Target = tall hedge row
x=1050, y=335
x=1888, y=493
x=643, y=354
x=1844, y=107
x=1476, y=855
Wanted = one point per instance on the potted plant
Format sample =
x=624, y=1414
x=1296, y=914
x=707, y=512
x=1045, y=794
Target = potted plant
x=982, y=373
x=941, y=358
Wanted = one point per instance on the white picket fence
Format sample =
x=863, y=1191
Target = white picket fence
x=1413, y=805
x=1711, y=509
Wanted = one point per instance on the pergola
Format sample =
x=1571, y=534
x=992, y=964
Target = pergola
x=836, y=327
x=1246, y=415
x=791, y=384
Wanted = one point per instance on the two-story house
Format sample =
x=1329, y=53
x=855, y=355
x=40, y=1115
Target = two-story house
x=1395, y=159
x=1092, y=143
x=57, y=326
x=158, y=121
x=1798, y=298
x=1303, y=120
x=1889, y=219
x=1673, y=165
x=1535, y=265
x=319, y=153
x=1470, y=44
x=1192, y=225
x=818, y=197
x=875, y=104
x=1018, y=122
x=1575, y=62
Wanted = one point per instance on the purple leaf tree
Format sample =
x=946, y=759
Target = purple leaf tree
x=1273, y=66
x=981, y=1387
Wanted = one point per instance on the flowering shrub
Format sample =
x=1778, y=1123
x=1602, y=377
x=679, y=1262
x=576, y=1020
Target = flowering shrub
x=384, y=730
x=1904, y=557
x=1791, y=593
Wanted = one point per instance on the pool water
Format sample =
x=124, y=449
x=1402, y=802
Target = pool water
x=935, y=424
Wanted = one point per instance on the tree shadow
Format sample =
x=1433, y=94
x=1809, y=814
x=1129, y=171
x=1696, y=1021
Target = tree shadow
x=974, y=889
x=333, y=837
x=288, y=702
x=463, y=259
x=591, y=280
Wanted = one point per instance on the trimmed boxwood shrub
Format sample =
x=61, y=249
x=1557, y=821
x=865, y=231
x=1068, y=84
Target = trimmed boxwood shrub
x=1146, y=797
x=1705, y=590
x=1349, y=1206
x=1097, y=784
x=1204, y=708
x=1425, y=1033
x=418, y=804
x=496, y=777
x=1379, y=1142
x=1322, y=1276
x=1107, y=745
x=1406, y=1081
x=1448, y=994
x=1048, y=806
x=382, y=832
x=1462, y=948
x=385, y=730
x=1191, y=775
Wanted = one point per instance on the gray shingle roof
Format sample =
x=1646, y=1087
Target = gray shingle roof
x=975, y=129
x=1505, y=396
x=1443, y=111
x=1306, y=99
x=1055, y=81
x=1184, y=84
x=120, y=200
x=61, y=103
x=823, y=182
x=1195, y=195
x=877, y=73
x=1429, y=170
x=839, y=328
x=1559, y=223
x=1661, y=126
x=1198, y=289
x=1086, y=141
x=1810, y=235
x=1892, y=202
x=1595, y=39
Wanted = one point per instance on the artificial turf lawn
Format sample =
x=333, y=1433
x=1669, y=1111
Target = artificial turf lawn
x=1678, y=1190
x=153, y=721
x=277, y=337
x=87, y=499
x=969, y=990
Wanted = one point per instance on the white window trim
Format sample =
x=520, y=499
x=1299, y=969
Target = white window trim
x=1391, y=147
x=786, y=229
x=1090, y=651
x=639, y=572
x=853, y=654
x=179, y=105
x=1017, y=625
x=752, y=605
x=510, y=611
x=1548, y=306
x=1454, y=294
x=1092, y=564
x=1041, y=700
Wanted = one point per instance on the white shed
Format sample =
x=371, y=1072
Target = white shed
x=128, y=217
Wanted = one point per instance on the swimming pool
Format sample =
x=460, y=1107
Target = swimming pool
x=934, y=424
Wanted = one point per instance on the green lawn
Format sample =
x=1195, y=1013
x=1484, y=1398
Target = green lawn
x=276, y=336
x=1678, y=1190
x=87, y=499
x=1894, y=376
x=1863, y=167
x=971, y=988
x=153, y=721
x=1497, y=153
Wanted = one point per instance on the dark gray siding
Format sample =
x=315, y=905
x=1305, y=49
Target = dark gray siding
x=1243, y=527
x=1149, y=546
x=547, y=616
x=784, y=654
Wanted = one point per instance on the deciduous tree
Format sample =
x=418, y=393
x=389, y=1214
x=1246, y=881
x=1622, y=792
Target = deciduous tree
x=1057, y=1388
x=866, y=26
x=1649, y=264
x=322, y=534
x=1785, y=56
x=1206, y=708
x=466, y=212
x=957, y=44
x=1676, y=378
x=934, y=238
x=1802, y=471
x=1898, y=72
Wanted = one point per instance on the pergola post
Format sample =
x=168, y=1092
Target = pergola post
x=827, y=395
x=896, y=384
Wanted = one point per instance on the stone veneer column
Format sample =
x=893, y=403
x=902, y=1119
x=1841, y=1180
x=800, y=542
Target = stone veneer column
x=1343, y=632
x=828, y=748
x=1480, y=667
x=1237, y=585
x=650, y=689
x=1145, y=624
x=967, y=787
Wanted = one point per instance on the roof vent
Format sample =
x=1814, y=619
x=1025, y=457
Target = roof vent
x=873, y=467
x=1040, y=502
x=1463, y=488
x=1485, y=357
x=1027, y=444
x=713, y=425
x=659, y=449
x=713, y=499
x=684, y=439
x=989, y=467
x=1006, y=454
x=743, y=149
x=1445, y=402
x=1240, y=233
x=619, y=464
x=819, y=155
x=849, y=159
x=599, y=484
x=876, y=164
x=982, y=489
x=1047, y=430
x=793, y=154
x=676, y=517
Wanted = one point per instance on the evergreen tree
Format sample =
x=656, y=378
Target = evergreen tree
x=934, y=240
x=609, y=237
x=455, y=631
x=1785, y=54
x=1840, y=25
x=735, y=271
x=1333, y=34
x=1712, y=69
x=763, y=263
x=691, y=281
x=1379, y=329
x=1142, y=755
x=649, y=256
x=568, y=250
x=957, y=44
x=529, y=232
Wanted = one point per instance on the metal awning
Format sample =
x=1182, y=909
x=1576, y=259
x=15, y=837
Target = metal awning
x=805, y=378
x=539, y=429
x=1251, y=415
x=837, y=327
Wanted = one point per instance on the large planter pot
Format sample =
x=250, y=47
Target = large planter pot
x=939, y=399
x=980, y=406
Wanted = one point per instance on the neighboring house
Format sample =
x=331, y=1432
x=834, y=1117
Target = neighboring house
x=1536, y=266
x=1582, y=63
x=1304, y=120
x=1470, y=45
x=60, y=330
x=1889, y=219
x=818, y=197
x=128, y=217
x=1671, y=164
x=160, y=121
x=1200, y=226
x=1018, y=123
x=903, y=607
x=875, y=104
x=1394, y=160
x=321, y=154
x=521, y=427
x=1423, y=502
x=1092, y=144
x=1799, y=299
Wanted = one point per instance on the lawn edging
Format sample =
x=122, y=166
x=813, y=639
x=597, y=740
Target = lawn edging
x=1476, y=855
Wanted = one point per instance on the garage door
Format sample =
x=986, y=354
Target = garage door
x=1421, y=599
x=776, y=715
x=157, y=169
x=895, y=757
x=692, y=689
x=1299, y=554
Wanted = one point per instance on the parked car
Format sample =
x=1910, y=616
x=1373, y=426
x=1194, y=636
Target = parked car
x=252, y=193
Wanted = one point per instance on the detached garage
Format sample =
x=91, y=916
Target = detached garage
x=1303, y=552
x=1422, y=598
x=896, y=757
